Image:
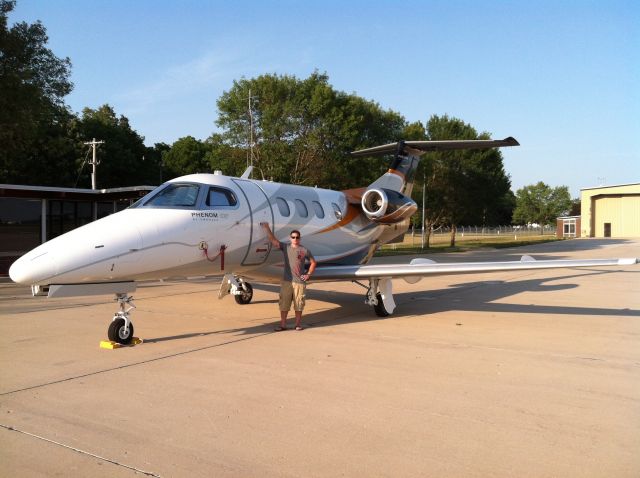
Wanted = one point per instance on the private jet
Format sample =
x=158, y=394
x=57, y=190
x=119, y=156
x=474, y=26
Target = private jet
x=210, y=225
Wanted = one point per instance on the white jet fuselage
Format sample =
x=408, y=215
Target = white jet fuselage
x=161, y=238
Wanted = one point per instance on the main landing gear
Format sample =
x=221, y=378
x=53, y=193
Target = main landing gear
x=241, y=290
x=121, y=327
x=244, y=294
x=380, y=296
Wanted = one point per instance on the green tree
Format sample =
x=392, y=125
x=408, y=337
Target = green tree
x=122, y=156
x=222, y=156
x=465, y=186
x=541, y=204
x=155, y=173
x=34, y=120
x=303, y=130
x=576, y=207
x=414, y=132
x=186, y=156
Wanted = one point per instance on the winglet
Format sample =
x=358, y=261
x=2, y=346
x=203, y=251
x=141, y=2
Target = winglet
x=627, y=261
x=421, y=260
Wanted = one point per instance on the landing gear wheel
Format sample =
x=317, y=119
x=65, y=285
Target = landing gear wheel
x=379, y=307
x=117, y=334
x=246, y=296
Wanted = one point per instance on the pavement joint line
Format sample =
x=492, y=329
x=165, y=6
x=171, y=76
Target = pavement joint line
x=143, y=362
x=78, y=450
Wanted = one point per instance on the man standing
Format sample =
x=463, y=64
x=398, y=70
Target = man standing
x=294, y=280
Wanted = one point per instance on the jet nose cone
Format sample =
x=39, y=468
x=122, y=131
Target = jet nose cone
x=18, y=272
x=32, y=268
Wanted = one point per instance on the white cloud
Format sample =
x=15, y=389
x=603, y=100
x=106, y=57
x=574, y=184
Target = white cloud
x=212, y=71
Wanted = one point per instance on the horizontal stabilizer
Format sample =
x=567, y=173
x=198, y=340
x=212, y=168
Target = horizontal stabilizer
x=416, y=148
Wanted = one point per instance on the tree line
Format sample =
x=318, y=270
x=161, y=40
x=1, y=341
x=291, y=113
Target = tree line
x=292, y=130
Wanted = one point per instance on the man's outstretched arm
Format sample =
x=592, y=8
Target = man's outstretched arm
x=274, y=241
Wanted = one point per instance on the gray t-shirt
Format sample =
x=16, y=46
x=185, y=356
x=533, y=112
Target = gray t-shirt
x=294, y=261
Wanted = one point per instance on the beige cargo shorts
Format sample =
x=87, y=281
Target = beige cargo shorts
x=291, y=292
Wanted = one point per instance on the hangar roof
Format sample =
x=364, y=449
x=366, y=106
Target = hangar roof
x=610, y=186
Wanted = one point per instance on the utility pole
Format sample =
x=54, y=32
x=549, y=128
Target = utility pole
x=94, y=162
x=424, y=187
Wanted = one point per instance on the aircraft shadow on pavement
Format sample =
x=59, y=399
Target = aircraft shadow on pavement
x=479, y=296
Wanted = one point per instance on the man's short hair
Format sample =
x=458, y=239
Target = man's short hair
x=295, y=231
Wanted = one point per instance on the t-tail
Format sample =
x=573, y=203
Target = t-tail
x=388, y=199
x=406, y=156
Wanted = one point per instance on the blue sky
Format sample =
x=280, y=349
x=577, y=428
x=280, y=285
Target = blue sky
x=563, y=77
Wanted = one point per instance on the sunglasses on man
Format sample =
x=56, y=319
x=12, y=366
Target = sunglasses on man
x=294, y=237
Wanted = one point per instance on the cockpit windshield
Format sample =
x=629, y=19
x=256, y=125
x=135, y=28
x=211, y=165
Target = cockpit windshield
x=175, y=195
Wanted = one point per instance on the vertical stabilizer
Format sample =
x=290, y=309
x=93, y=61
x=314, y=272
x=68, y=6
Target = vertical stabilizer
x=400, y=175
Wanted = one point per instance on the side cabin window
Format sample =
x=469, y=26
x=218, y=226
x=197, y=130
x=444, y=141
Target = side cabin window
x=176, y=195
x=301, y=208
x=283, y=207
x=317, y=207
x=337, y=211
x=220, y=197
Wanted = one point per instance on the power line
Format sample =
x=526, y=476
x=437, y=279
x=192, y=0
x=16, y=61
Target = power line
x=84, y=161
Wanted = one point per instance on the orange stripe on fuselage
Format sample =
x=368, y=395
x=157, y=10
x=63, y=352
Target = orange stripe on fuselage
x=354, y=196
x=352, y=213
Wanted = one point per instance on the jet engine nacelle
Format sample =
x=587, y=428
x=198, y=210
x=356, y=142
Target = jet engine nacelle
x=386, y=206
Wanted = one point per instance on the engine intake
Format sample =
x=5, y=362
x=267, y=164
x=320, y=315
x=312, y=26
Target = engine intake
x=387, y=206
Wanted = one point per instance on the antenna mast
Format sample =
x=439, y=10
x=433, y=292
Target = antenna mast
x=94, y=162
x=251, y=143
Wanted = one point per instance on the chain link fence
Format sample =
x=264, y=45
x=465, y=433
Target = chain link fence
x=476, y=234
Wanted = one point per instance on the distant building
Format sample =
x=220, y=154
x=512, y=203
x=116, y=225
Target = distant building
x=610, y=211
x=568, y=226
x=31, y=215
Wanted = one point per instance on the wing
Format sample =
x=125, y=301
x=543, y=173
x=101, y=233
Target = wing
x=425, y=267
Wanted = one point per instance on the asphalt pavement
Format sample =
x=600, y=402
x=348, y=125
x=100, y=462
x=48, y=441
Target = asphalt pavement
x=523, y=374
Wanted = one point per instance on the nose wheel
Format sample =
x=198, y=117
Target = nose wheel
x=119, y=333
x=244, y=293
x=121, y=328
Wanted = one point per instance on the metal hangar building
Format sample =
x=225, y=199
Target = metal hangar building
x=610, y=211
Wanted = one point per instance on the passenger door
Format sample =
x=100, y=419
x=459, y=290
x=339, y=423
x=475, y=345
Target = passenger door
x=260, y=211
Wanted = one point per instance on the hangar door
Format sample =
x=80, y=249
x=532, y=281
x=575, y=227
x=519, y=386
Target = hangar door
x=617, y=216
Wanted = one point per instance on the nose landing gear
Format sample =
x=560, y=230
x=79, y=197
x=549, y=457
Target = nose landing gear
x=121, y=327
x=236, y=286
